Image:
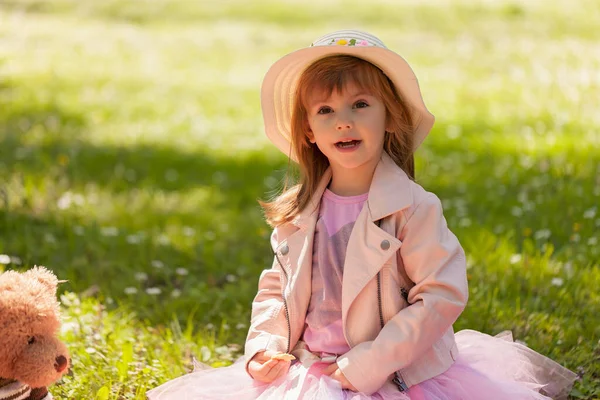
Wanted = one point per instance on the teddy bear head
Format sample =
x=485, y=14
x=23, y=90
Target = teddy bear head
x=30, y=351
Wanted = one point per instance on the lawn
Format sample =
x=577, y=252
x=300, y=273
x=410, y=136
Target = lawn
x=132, y=155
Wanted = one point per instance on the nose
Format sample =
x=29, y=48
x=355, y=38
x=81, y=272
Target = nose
x=61, y=363
x=344, y=122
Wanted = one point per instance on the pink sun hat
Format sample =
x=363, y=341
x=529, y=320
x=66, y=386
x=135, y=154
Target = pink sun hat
x=279, y=84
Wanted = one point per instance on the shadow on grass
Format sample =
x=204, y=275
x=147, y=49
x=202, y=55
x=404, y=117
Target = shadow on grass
x=490, y=186
x=211, y=272
x=45, y=141
x=549, y=195
x=145, y=276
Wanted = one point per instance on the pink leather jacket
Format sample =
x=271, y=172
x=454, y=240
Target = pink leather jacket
x=404, y=271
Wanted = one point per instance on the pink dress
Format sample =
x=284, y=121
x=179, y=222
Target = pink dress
x=490, y=367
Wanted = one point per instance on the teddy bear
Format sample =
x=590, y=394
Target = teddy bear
x=31, y=355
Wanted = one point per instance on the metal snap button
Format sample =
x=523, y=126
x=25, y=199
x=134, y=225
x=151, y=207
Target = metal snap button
x=285, y=249
x=385, y=245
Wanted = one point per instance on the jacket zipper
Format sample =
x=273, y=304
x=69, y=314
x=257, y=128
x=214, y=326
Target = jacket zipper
x=398, y=380
x=285, y=306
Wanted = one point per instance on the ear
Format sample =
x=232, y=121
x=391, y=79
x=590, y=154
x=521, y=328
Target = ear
x=309, y=133
x=44, y=276
x=389, y=127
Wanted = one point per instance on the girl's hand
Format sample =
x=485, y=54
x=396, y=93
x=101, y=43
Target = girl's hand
x=265, y=369
x=335, y=373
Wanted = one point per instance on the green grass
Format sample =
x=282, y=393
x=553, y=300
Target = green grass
x=132, y=155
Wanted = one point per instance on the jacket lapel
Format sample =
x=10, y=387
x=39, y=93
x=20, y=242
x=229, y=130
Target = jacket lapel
x=370, y=246
x=298, y=260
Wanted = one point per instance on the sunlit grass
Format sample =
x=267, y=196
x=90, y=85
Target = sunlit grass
x=132, y=155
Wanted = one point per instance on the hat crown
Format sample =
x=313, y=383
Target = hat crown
x=349, y=38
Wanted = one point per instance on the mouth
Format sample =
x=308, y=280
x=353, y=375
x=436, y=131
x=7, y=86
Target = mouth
x=347, y=144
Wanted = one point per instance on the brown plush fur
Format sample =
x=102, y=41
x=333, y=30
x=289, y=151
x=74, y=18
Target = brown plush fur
x=30, y=352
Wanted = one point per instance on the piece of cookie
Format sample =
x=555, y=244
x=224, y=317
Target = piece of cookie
x=284, y=356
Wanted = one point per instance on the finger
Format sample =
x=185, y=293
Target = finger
x=274, y=372
x=271, y=353
x=259, y=357
x=339, y=377
x=330, y=369
x=265, y=355
x=285, y=367
x=260, y=370
x=268, y=365
x=336, y=375
x=255, y=367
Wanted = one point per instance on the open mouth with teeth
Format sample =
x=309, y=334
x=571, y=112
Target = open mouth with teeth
x=346, y=144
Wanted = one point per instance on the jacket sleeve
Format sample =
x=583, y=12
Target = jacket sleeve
x=435, y=262
x=268, y=324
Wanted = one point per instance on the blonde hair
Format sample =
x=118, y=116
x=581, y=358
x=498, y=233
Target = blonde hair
x=327, y=74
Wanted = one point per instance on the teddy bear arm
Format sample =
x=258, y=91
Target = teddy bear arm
x=40, y=394
x=11, y=389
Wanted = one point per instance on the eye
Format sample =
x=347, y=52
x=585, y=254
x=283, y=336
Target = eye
x=361, y=104
x=31, y=340
x=324, y=110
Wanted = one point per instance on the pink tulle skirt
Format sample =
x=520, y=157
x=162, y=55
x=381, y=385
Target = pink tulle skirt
x=488, y=367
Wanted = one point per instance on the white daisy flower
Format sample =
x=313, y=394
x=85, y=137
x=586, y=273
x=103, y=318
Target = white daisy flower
x=109, y=231
x=542, y=234
x=133, y=239
x=515, y=258
x=189, y=231
x=130, y=290
x=153, y=291
x=557, y=282
x=163, y=240
x=141, y=276
x=589, y=214
x=464, y=222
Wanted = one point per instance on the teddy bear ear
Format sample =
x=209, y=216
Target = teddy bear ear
x=44, y=276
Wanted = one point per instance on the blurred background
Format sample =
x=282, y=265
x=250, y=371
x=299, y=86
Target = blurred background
x=132, y=154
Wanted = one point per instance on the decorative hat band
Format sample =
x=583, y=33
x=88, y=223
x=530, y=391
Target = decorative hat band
x=349, y=39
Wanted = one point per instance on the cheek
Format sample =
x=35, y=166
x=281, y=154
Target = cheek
x=313, y=125
x=321, y=125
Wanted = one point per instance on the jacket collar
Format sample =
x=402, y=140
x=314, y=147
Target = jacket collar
x=390, y=192
x=390, y=189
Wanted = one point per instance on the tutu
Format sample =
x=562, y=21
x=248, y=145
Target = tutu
x=490, y=367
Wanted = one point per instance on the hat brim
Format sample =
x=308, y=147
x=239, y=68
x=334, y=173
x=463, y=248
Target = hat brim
x=279, y=87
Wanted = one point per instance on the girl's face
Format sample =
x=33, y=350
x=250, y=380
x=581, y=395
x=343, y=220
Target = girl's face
x=348, y=128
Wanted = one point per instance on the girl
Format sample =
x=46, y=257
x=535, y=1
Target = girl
x=367, y=280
